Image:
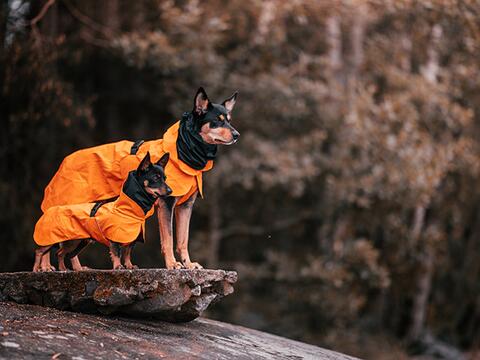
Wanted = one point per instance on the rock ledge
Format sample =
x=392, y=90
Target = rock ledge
x=36, y=332
x=169, y=295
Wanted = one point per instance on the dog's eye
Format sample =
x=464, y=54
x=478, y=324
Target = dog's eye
x=221, y=117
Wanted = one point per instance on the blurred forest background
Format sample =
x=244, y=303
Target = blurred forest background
x=351, y=204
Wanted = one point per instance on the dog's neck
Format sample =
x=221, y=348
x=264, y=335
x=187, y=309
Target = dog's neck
x=136, y=191
x=191, y=148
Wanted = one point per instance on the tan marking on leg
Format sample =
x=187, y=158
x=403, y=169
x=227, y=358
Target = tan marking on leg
x=165, y=224
x=61, y=259
x=127, y=261
x=39, y=254
x=115, y=251
x=76, y=265
x=45, y=264
x=183, y=213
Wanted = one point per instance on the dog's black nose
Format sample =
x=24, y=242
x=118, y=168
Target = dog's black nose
x=169, y=191
x=235, y=135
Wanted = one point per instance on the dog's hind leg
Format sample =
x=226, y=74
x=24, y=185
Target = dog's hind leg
x=71, y=249
x=128, y=257
x=39, y=254
x=65, y=248
x=61, y=259
x=115, y=250
x=183, y=213
x=73, y=256
x=165, y=222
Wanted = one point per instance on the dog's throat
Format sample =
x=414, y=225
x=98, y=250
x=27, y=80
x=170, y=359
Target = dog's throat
x=191, y=148
x=135, y=191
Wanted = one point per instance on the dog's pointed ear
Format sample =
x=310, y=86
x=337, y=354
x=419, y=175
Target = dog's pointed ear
x=201, y=103
x=230, y=102
x=145, y=163
x=163, y=160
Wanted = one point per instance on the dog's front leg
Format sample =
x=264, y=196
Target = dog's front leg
x=45, y=264
x=115, y=250
x=40, y=253
x=165, y=223
x=183, y=213
x=128, y=257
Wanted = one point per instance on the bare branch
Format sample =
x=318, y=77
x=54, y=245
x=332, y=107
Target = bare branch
x=84, y=19
x=42, y=12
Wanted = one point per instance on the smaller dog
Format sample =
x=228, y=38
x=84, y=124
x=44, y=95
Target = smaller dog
x=118, y=224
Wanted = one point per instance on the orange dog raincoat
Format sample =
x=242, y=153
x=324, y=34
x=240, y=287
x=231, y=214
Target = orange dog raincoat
x=97, y=173
x=121, y=221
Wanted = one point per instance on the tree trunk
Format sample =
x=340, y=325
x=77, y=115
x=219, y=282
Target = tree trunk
x=356, y=40
x=424, y=277
x=267, y=14
x=49, y=24
x=334, y=38
x=418, y=222
x=342, y=233
x=3, y=29
x=5, y=133
x=423, y=287
x=430, y=70
x=111, y=20
x=110, y=15
x=137, y=18
x=357, y=33
x=426, y=261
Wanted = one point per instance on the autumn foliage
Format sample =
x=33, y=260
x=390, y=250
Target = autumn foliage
x=351, y=200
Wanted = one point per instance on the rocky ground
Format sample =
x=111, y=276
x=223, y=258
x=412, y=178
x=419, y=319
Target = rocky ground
x=170, y=295
x=36, y=332
x=130, y=314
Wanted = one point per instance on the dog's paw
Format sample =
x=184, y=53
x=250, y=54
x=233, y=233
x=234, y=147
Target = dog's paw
x=119, y=267
x=193, y=265
x=174, y=265
x=85, y=268
x=131, y=267
x=47, y=269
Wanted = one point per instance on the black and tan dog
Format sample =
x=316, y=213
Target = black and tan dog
x=118, y=224
x=96, y=174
